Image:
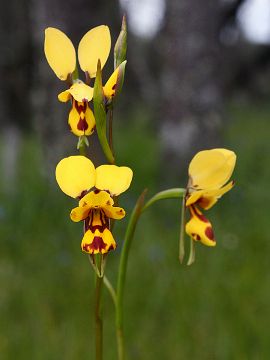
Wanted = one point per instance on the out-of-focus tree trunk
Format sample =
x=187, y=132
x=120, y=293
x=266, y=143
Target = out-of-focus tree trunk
x=15, y=67
x=75, y=18
x=190, y=89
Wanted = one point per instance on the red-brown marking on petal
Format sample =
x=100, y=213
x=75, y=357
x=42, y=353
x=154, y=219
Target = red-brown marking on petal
x=82, y=125
x=200, y=216
x=210, y=233
x=84, y=192
x=114, y=86
x=81, y=108
x=203, y=202
x=97, y=245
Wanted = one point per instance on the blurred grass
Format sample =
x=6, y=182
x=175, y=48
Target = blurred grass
x=216, y=309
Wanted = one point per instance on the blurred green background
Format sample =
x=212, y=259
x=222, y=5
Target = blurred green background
x=216, y=309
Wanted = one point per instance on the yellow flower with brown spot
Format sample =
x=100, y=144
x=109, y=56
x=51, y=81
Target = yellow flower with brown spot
x=76, y=176
x=61, y=56
x=209, y=172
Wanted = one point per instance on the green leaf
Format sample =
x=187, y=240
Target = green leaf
x=120, y=48
x=100, y=116
x=174, y=193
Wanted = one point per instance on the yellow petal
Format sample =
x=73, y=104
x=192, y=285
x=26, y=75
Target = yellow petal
x=81, y=92
x=81, y=119
x=207, y=198
x=115, y=82
x=95, y=45
x=194, y=197
x=210, y=197
x=75, y=175
x=96, y=199
x=199, y=228
x=59, y=52
x=211, y=169
x=79, y=213
x=64, y=96
x=114, y=212
x=115, y=179
x=98, y=242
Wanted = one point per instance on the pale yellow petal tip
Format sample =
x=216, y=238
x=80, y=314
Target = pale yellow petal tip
x=75, y=175
x=59, y=52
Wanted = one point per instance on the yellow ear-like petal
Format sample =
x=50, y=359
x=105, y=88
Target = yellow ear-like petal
x=115, y=179
x=59, y=52
x=210, y=169
x=75, y=174
x=95, y=45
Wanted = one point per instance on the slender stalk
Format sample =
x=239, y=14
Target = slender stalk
x=110, y=288
x=98, y=319
x=122, y=273
x=182, y=231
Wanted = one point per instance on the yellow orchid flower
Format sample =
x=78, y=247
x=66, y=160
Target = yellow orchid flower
x=61, y=56
x=76, y=175
x=209, y=172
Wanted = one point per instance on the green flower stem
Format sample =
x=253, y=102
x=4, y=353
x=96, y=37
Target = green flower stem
x=111, y=290
x=98, y=319
x=123, y=270
x=175, y=193
x=82, y=145
x=182, y=231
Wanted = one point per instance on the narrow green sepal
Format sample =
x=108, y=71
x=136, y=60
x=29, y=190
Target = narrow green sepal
x=100, y=116
x=120, y=48
x=82, y=142
x=174, y=193
x=191, y=258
